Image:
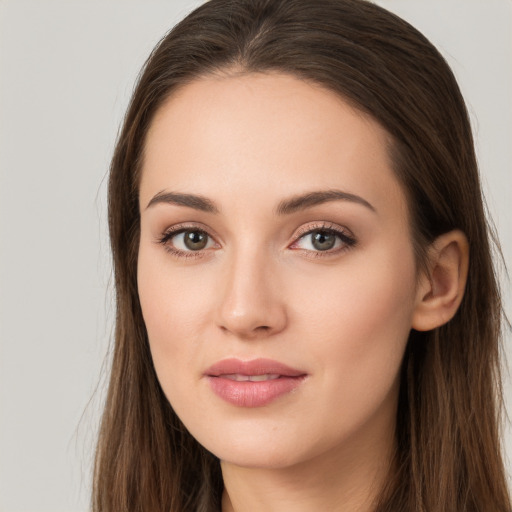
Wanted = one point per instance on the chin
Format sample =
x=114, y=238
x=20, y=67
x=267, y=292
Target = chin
x=258, y=458
x=263, y=448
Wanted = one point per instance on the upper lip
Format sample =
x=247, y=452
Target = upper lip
x=253, y=367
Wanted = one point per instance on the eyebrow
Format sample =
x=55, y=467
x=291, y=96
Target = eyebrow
x=285, y=207
x=310, y=199
x=190, y=200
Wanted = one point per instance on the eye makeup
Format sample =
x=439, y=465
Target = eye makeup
x=324, y=238
x=320, y=239
x=187, y=241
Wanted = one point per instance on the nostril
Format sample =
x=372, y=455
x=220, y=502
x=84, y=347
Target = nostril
x=247, y=317
x=249, y=333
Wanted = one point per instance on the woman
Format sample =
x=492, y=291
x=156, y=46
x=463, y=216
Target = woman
x=307, y=314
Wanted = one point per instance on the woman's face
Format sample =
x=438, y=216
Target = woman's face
x=276, y=271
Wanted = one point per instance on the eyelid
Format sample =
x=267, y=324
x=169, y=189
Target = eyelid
x=188, y=226
x=323, y=226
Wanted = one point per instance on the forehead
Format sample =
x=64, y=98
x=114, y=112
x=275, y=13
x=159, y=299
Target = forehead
x=265, y=135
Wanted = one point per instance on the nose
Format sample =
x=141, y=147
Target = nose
x=251, y=304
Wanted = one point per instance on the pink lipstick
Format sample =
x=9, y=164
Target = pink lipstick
x=252, y=383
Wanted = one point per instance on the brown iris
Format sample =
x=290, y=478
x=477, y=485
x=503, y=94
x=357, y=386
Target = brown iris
x=195, y=240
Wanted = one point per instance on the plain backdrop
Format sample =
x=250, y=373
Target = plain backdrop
x=66, y=72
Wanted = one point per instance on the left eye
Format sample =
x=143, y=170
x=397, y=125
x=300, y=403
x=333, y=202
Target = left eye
x=323, y=240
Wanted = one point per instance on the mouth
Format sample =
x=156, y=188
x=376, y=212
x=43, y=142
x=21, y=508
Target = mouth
x=253, y=383
x=252, y=378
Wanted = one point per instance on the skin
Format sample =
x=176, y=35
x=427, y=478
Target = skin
x=260, y=288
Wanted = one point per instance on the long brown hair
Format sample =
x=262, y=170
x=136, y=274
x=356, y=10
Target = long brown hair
x=448, y=455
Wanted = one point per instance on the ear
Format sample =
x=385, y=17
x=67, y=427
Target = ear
x=440, y=292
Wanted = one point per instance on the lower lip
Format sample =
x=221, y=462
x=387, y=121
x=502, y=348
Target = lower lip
x=253, y=394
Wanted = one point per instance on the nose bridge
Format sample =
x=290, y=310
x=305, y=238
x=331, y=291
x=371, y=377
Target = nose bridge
x=251, y=303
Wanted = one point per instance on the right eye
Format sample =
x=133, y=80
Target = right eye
x=184, y=242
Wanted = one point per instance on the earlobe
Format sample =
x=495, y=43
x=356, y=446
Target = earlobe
x=440, y=293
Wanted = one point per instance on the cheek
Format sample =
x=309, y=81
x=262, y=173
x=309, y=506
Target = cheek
x=360, y=319
x=172, y=310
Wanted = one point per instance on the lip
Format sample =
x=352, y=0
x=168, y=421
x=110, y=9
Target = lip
x=281, y=379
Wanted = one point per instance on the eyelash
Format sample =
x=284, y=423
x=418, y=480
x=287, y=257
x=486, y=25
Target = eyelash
x=342, y=234
x=170, y=233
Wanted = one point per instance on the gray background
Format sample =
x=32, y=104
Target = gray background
x=66, y=72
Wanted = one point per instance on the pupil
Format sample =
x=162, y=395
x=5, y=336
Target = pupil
x=323, y=241
x=195, y=240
